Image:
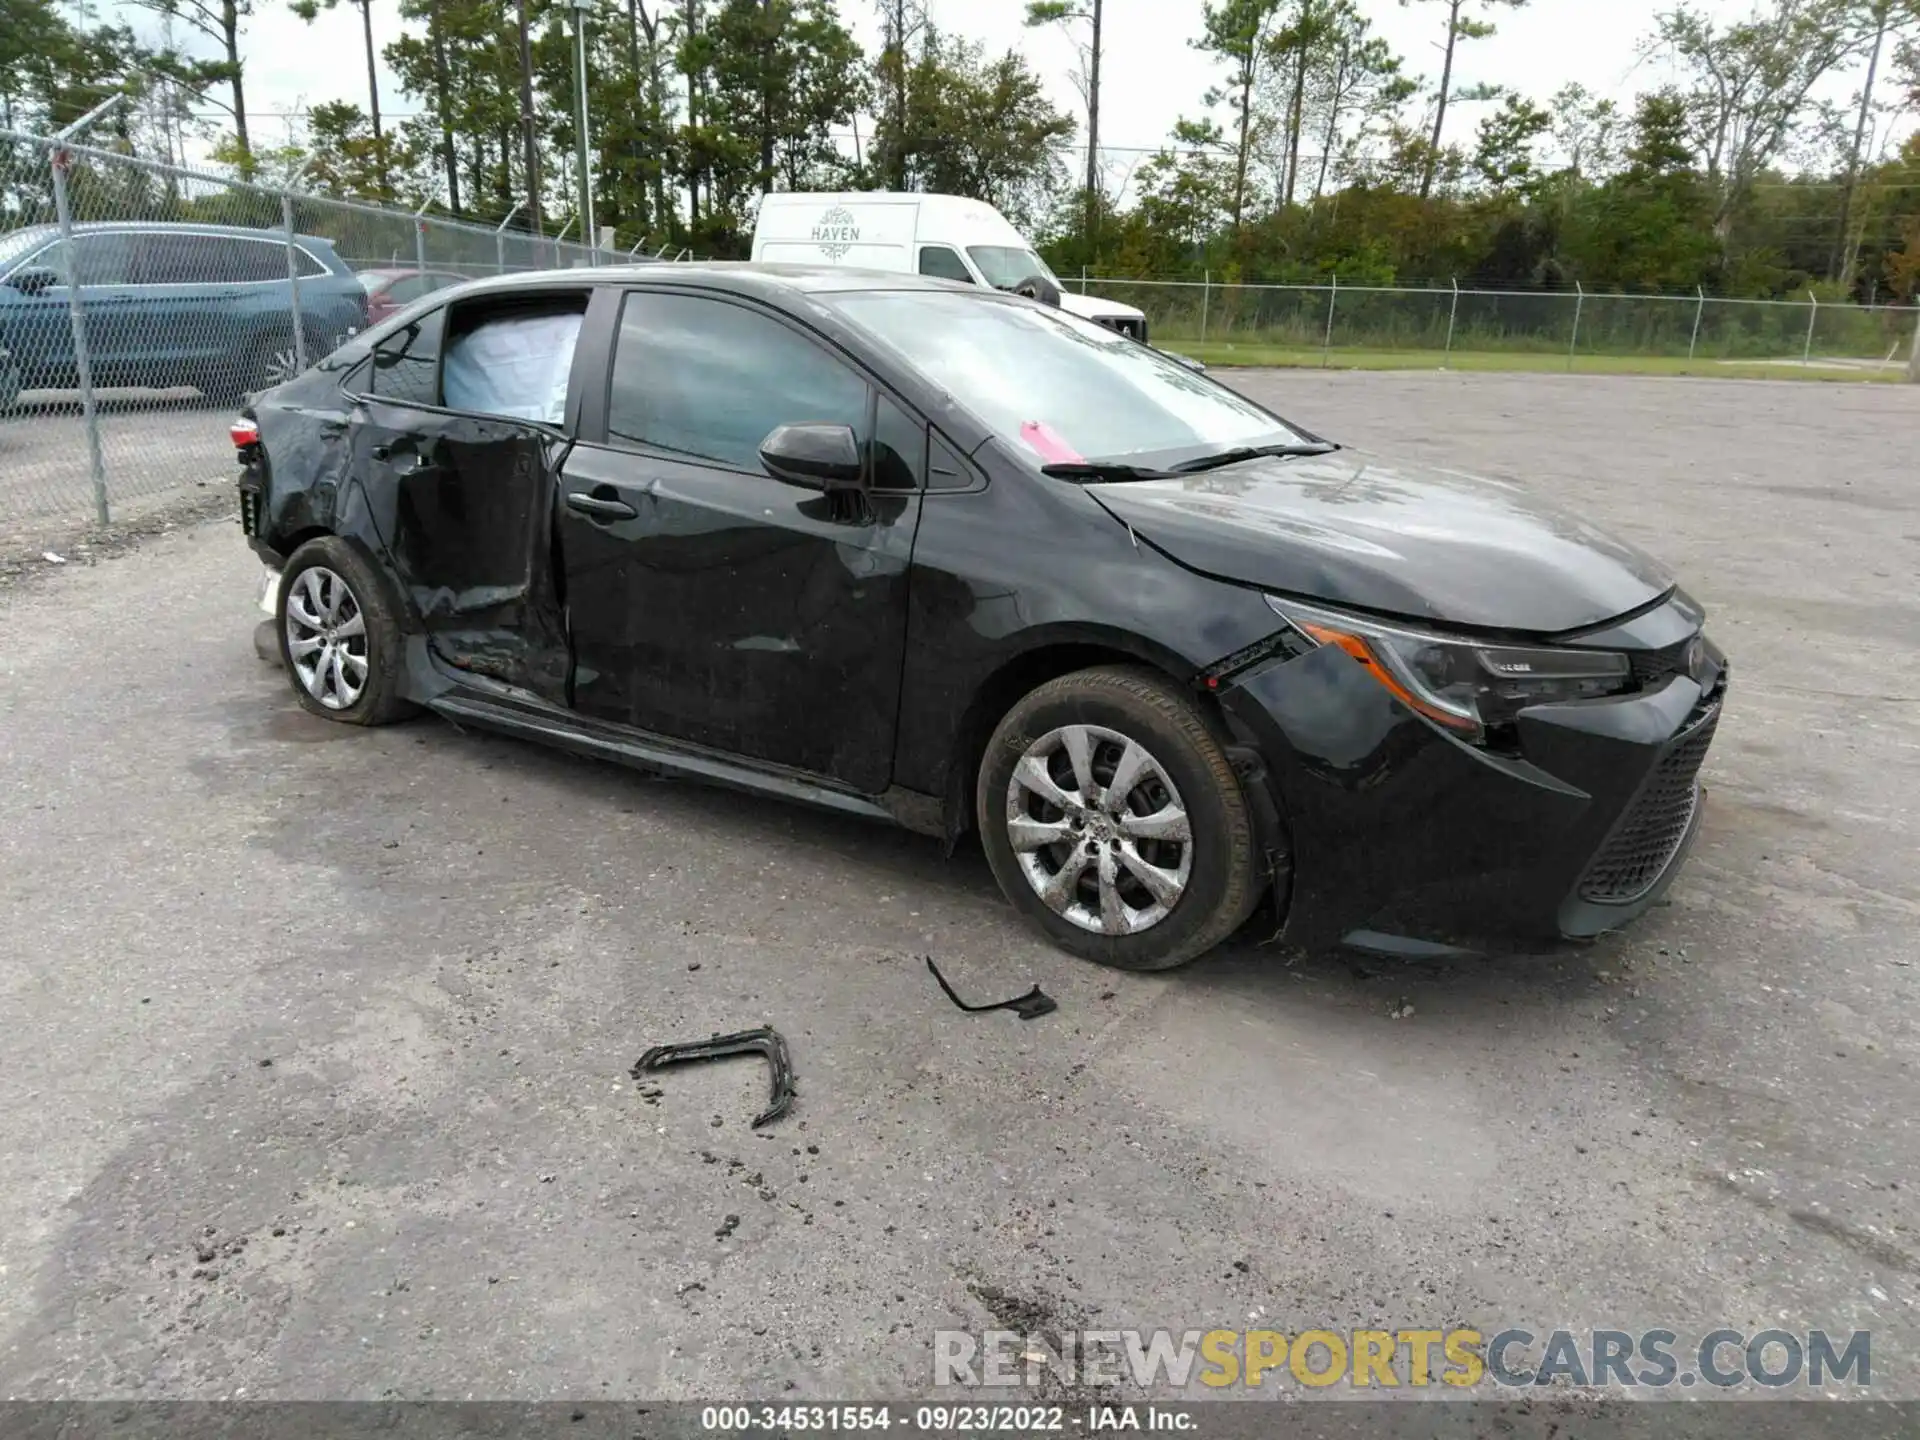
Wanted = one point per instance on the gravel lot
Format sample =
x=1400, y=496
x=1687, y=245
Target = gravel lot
x=317, y=1039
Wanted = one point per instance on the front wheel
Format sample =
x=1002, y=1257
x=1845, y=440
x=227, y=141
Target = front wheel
x=1113, y=820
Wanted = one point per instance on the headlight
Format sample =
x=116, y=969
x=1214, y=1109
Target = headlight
x=1465, y=685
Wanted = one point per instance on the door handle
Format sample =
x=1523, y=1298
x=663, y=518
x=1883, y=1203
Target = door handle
x=601, y=509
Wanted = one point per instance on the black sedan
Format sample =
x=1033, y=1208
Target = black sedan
x=965, y=562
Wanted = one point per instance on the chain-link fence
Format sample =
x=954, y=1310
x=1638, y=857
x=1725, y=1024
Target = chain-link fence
x=1334, y=323
x=139, y=302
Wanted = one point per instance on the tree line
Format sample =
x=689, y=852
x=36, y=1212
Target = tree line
x=1316, y=152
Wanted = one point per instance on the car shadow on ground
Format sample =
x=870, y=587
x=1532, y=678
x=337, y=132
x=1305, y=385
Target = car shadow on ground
x=1251, y=974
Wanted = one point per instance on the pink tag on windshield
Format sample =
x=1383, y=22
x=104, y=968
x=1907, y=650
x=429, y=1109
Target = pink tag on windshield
x=1048, y=445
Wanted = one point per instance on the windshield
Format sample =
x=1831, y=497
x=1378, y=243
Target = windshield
x=374, y=284
x=16, y=243
x=1007, y=265
x=1057, y=388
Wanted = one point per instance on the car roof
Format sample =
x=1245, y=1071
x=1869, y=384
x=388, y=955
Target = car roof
x=182, y=227
x=741, y=276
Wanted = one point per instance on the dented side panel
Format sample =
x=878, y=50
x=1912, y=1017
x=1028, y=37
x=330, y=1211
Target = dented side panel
x=465, y=504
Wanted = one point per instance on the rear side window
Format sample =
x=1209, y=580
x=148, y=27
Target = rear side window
x=406, y=365
x=943, y=263
x=250, y=261
x=513, y=362
x=709, y=380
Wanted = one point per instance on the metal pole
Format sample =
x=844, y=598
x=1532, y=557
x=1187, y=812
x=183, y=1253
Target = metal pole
x=293, y=285
x=1579, y=303
x=87, y=119
x=1913, y=356
x=1083, y=279
x=1333, y=298
x=580, y=9
x=1453, y=314
x=500, y=235
x=1206, y=294
x=1813, y=316
x=82, y=360
x=1699, y=310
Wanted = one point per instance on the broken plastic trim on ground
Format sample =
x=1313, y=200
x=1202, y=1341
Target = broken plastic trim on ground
x=1030, y=1006
x=763, y=1041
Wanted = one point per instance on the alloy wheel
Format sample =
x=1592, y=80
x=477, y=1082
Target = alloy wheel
x=1099, y=829
x=327, y=638
x=278, y=365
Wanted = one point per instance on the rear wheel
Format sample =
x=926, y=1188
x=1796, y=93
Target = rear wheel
x=268, y=361
x=340, y=636
x=1113, y=820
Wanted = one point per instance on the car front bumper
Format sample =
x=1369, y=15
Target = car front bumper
x=1401, y=836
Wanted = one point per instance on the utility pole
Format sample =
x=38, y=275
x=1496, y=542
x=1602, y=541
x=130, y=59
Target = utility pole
x=528, y=139
x=581, y=8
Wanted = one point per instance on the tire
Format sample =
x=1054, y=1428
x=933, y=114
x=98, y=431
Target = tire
x=264, y=363
x=347, y=600
x=1118, y=710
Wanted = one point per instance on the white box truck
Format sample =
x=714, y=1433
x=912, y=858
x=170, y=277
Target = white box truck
x=945, y=236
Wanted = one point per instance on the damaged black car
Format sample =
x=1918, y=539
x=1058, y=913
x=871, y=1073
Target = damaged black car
x=965, y=562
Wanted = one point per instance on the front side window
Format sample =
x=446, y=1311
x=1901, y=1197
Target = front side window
x=944, y=263
x=709, y=380
x=104, y=259
x=1058, y=388
x=514, y=363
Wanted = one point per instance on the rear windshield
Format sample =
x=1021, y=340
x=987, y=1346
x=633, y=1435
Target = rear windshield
x=1057, y=387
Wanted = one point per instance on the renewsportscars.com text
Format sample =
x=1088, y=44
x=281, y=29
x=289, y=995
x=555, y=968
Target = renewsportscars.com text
x=1411, y=1358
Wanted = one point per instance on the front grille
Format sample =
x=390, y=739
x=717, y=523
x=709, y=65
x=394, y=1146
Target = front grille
x=1643, y=844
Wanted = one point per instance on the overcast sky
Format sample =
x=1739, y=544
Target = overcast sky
x=1152, y=74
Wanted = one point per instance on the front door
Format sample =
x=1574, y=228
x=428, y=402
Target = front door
x=709, y=602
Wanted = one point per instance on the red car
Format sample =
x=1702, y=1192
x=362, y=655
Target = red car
x=391, y=290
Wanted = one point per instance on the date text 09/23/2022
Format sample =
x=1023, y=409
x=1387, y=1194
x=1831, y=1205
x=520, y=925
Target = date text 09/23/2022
x=942, y=1419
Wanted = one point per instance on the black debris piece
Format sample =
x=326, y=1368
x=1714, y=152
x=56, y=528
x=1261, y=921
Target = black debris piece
x=1030, y=1006
x=763, y=1041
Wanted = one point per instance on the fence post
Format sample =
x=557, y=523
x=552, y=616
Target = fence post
x=77, y=321
x=419, y=243
x=1333, y=299
x=500, y=236
x=1699, y=310
x=1813, y=316
x=1083, y=279
x=293, y=285
x=1206, y=295
x=1453, y=312
x=1913, y=356
x=1579, y=303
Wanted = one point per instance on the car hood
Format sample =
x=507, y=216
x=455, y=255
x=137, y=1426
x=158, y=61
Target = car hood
x=1091, y=307
x=1427, y=544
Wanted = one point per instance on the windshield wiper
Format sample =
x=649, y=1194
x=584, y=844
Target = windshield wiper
x=1103, y=470
x=1251, y=452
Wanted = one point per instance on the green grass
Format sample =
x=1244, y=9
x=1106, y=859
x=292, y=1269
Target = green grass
x=1219, y=354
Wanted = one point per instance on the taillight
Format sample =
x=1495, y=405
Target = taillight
x=245, y=433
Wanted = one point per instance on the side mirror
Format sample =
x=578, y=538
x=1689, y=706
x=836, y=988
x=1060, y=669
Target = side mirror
x=816, y=456
x=32, y=279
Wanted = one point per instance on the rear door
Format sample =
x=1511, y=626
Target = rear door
x=186, y=288
x=708, y=601
x=459, y=430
